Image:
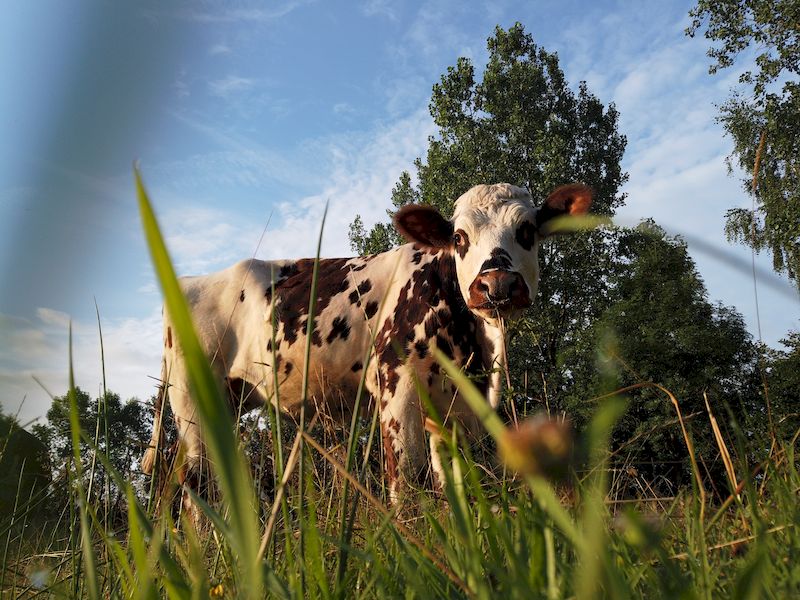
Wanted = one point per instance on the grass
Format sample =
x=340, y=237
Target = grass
x=328, y=531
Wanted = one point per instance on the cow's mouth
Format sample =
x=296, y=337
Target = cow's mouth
x=494, y=309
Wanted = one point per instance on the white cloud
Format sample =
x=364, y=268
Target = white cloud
x=383, y=8
x=343, y=108
x=218, y=49
x=205, y=239
x=181, y=86
x=244, y=13
x=230, y=85
x=53, y=317
x=39, y=348
x=676, y=152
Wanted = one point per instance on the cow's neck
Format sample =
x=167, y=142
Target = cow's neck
x=470, y=335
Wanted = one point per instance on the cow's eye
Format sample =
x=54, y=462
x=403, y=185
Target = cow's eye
x=526, y=235
x=457, y=239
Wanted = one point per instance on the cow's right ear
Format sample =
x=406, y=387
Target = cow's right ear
x=423, y=224
x=571, y=200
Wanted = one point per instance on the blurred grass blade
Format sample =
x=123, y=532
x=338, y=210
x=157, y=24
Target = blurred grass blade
x=86, y=536
x=215, y=417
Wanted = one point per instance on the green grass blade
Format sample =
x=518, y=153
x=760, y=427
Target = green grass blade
x=215, y=417
x=86, y=536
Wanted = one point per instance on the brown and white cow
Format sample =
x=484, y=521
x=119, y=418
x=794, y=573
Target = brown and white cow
x=449, y=288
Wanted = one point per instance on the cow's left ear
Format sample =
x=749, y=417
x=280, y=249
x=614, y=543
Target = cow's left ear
x=573, y=199
x=423, y=224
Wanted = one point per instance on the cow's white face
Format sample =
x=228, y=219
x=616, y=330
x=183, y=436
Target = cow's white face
x=494, y=237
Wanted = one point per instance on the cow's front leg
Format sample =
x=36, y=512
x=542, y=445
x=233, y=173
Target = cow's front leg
x=403, y=434
x=468, y=428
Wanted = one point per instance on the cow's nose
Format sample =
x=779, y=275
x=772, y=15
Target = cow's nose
x=498, y=289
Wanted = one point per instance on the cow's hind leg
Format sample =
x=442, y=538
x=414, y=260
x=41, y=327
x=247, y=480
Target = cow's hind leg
x=403, y=434
x=192, y=471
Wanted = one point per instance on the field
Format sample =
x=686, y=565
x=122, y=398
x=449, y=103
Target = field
x=545, y=517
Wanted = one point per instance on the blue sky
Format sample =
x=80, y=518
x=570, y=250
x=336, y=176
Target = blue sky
x=251, y=115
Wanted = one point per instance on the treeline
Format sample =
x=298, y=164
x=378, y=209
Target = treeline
x=36, y=466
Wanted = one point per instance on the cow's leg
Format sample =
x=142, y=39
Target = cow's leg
x=403, y=437
x=190, y=471
x=469, y=427
x=436, y=461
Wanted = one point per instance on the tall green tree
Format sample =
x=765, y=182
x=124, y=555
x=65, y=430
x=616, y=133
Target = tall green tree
x=521, y=123
x=128, y=425
x=24, y=469
x=783, y=375
x=762, y=118
x=660, y=327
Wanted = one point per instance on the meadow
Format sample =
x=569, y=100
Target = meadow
x=301, y=510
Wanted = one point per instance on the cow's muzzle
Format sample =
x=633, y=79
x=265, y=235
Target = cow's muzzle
x=498, y=291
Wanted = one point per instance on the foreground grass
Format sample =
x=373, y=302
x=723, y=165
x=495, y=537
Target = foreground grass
x=491, y=533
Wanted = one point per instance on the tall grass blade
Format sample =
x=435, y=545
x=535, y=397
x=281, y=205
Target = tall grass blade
x=86, y=536
x=216, y=421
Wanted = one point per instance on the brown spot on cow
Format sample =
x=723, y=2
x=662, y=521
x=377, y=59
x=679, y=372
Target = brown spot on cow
x=448, y=326
x=169, y=337
x=339, y=328
x=293, y=294
x=358, y=293
x=371, y=309
x=389, y=455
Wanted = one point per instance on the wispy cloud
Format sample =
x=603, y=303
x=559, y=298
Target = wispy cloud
x=242, y=161
x=343, y=108
x=230, y=85
x=676, y=152
x=247, y=12
x=180, y=85
x=365, y=168
x=218, y=49
x=205, y=239
x=39, y=348
x=382, y=8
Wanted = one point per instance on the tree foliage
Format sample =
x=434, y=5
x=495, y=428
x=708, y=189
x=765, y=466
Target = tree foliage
x=24, y=466
x=128, y=425
x=763, y=120
x=660, y=327
x=783, y=375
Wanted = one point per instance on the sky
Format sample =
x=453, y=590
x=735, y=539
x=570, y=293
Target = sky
x=246, y=118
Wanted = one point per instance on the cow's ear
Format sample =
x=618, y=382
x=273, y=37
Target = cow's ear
x=423, y=224
x=573, y=199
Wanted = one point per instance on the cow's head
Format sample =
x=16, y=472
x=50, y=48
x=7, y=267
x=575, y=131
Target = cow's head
x=494, y=236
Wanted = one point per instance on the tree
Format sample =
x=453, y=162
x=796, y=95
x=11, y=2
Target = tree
x=764, y=122
x=128, y=425
x=661, y=328
x=24, y=469
x=522, y=124
x=783, y=377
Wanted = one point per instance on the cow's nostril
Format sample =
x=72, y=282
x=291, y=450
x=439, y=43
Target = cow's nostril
x=512, y=287
x=483, y=288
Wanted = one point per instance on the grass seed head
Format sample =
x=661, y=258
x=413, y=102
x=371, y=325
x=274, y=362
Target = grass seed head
x=539, y=446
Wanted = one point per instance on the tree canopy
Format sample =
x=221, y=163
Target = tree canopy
x=660, y=327
x=762, y=118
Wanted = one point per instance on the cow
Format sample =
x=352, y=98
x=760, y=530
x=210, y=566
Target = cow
x=450, y=287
